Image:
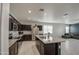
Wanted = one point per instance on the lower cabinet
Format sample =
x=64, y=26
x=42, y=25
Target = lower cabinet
x=13, y=50
x=26, y=38
x=48, y=49
x=41, y=48
x=19, y=43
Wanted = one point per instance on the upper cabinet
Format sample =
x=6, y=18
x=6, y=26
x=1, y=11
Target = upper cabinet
x=40, y=27
x=13, y=24
x=10, y=24
x=26, y=27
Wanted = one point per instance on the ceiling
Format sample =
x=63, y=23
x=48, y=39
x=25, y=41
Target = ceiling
x=53, y=12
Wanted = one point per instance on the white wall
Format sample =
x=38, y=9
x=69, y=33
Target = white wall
x=5, y=29
x=58, y=29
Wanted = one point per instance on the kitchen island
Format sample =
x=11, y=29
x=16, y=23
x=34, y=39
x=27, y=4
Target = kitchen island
x=48, y=45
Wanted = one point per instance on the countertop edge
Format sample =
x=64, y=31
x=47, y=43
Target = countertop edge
x=62, y=40
x=12, y=41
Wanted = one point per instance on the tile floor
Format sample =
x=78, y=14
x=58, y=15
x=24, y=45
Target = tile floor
x=28, y=48
x=69, y=47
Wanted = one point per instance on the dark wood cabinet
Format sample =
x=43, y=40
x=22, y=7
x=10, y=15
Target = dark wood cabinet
x=48, y=49
x=10, y=24
x=41, y=48
x=13, y=24
x=40, y=27
x=26, y=37
x=38, y=44
x=25, y=27
x=13, y=50
x=19, y=27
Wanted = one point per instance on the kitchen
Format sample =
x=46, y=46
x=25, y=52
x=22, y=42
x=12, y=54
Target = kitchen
x=49, y=41
x=19, y=35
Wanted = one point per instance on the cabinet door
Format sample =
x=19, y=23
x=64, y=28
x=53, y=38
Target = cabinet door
x=16, y=48
x=49, y=49
x=40, y=27
x=10, y=24
x=12, y=50
x=41, y=48
x=58, y=49
x=19, y=27
x=13, y=23
x=38, y=44
x=26, y=38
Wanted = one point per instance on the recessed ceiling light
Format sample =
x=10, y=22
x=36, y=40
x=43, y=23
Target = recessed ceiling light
x=45, y=14
x=29, y=11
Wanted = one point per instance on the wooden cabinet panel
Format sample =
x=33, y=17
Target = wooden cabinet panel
x=13, y=23
x=26, y=27
x=48, y=49
x=40, y=27
x=16, y=48
x=10, y=24
x=19, y=27
x=13, y=50
x=41, y=48
x=26, y=38
x=37, y=44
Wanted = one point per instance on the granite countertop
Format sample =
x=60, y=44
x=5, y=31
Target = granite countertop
x=12, y=41
x=50, y=40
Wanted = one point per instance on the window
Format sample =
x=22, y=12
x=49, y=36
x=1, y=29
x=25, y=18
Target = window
x=67, y=29
x=47, y=29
